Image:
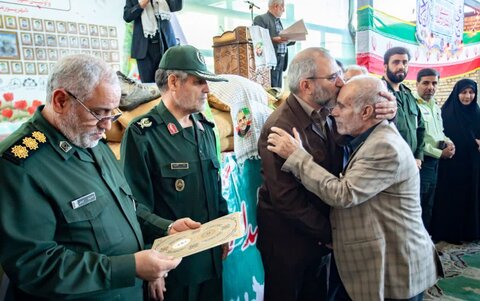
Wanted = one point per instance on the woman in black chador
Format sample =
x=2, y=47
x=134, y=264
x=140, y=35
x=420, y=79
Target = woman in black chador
x=456, y=211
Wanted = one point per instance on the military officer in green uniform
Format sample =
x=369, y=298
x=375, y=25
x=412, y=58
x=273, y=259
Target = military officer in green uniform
x=68, y=226
x=409, y=119
x=169, y=158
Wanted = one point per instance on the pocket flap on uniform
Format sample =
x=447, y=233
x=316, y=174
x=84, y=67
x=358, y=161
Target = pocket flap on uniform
x=168, y=172
x=85, y=212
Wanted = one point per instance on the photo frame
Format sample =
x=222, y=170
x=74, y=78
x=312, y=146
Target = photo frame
x=30, y=68
x=61, y=27
x=97, y=54
x=37, y=24
x=73, y=42
x=72, y=28
x=106, y=56
x=26, y=38
x=93, y=30
x=51, y=40
x=39, y=39
x=42, y=68
x=114, y=56
x=52, y=54
x=24, y=23
x=4, y=67
x=95, y=43
x=62, y=41
x=84, y=43
x=16, y=67
x=50, y=26
x=63, y=52
x=103, y=30
x=105, y=44
x=41, y=54
x=113, y=44
x=112, y=31
x=9, y=45
x=83, y=29
x=28, y=54
x=11, y=22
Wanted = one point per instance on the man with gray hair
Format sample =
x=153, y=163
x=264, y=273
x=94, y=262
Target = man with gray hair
x=271, y=21
x=68, y=224
x=382, y=249
x=354, y=70
x=293, y=223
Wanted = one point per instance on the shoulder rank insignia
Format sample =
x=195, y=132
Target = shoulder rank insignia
x=20, y=150
x=144, y=123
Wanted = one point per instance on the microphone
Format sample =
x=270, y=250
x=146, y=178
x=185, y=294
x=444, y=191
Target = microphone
x=252, y=4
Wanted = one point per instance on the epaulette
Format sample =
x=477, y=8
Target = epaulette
x=25, y=147
x=145, y=123
x=202, y=118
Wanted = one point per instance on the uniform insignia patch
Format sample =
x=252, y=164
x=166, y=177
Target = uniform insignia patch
x=39, y=136
x=20, y=151
x=145, y=122
x=172, y=128
x=179, y=185
x=65, y=146
x=30, y=143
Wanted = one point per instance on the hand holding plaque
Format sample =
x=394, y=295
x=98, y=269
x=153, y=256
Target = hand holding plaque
x=209, y=235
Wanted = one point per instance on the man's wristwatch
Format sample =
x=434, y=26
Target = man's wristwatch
x=168, y=228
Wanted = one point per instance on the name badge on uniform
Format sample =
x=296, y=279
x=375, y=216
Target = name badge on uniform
x=175, y=166
x=84, y=200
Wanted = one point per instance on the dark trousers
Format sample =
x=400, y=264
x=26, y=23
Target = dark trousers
x=149, y=65
x=277, y=72
x=210, y=290
x=428, y=183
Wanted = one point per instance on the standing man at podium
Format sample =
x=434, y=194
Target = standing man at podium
x=271, y=21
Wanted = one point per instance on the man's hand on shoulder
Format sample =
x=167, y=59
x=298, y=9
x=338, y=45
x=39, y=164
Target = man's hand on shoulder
x=282, y=143
x=386, y=109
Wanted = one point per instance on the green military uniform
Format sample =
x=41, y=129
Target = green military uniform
x=68, y=224
x=174, y=173
x=409, y=120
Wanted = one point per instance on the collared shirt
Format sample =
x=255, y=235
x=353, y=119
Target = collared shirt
x=355, y=143
x=319, y=117
x=432, y=116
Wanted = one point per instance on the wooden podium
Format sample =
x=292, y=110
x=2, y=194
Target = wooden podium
x=233, y=54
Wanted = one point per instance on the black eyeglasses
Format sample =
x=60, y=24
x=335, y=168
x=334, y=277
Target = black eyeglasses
x=100, y=118
x=331, y=78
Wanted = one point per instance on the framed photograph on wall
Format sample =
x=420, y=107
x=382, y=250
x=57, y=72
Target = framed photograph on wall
x=84, y=43
x=103, y=31
x=28, y=54
x=62, y=41
x=93, y=29
x=30, y=68
x=49, y=26
x=73, y=43
x=38, y=39
x=24, y=23
x=83, y=29
x=9, y=45
x=52, y=54
x=26, y=38
x=72, y=28
x=17, y=67
x=61, y=27
x=95, y=43
x=42, y=68
x=112, y=31
x=37, y=24
x=51, y=40
x=105, y=44
x=11, y=22
x=41, y=54
x=4, y=67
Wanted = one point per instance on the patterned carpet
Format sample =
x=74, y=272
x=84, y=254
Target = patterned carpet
x=462, y=273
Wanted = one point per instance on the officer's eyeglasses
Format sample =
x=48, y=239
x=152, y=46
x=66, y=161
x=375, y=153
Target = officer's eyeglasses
x=331, y=78
x=100, y=118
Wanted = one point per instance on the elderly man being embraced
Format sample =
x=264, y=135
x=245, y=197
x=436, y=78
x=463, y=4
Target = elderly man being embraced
x=382, y=249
